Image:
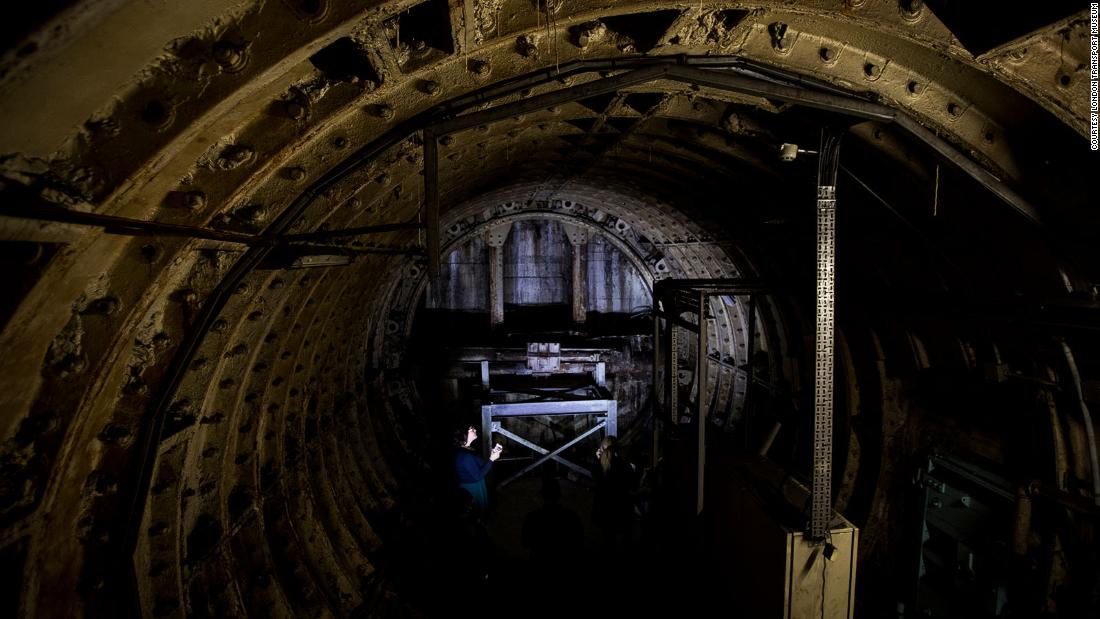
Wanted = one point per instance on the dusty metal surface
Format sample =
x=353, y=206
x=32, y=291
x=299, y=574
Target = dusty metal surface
x=184, y=434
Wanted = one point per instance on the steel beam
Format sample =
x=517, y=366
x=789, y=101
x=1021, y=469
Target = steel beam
x=567, y=407
x=750, y=347
x=547, y=457
x=724, y=80
x=544, y=451
x=655, y=388
x=361, y=230
x=578, y=240
x=486, y=433
x=701, y=401
x=494, y=238
x=431, y=201
x=550, y=99
x=821, y=511
x=672, y=370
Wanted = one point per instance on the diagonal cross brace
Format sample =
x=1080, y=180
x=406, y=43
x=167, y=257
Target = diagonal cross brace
x=543, y=451
x=599, y=426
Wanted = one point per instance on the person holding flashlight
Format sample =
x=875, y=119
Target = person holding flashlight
x=471, y=468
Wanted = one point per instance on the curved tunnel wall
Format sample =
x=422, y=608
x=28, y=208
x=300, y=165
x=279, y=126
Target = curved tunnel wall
x=292, y=409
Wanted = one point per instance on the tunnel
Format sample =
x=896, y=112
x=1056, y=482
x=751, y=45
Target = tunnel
x=827, y=269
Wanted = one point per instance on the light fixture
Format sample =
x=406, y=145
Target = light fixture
x=788, y=152
x=320, y=260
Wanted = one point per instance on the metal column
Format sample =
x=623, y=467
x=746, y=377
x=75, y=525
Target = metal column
x=672, y=368
x=494, y=238
x=431, y=201
x=486, y=433
x=578, y=240
x=746, y=413
x=656, y=389
x=701, y=401
x=821, y=511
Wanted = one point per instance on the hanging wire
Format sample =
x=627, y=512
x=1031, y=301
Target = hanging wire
x=830, y=158
x=936, y=194
x=465, y=38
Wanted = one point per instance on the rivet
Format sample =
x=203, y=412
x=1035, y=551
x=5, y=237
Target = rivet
x=295, y=110
x=104, y=306
x=195, y=200
x=156, y=114
x=384, y=111
x=827, y=54
x=430, y=87
x=911, y=9
x=447, y=140
x=340, y=142
x=481, y=67
x=1064, y=80
x=914, y=87
x=954, y=109
x=230, y=57
x=527, y=46
x=311, y=10
x=872, y=70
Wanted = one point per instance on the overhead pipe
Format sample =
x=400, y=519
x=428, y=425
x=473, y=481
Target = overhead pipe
x=1061, y=460
x=1088, y=420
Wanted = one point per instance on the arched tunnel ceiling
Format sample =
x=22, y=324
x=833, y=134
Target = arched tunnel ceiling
x=251, y=118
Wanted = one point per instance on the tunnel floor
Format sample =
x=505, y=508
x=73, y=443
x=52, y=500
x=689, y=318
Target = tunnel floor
x=648, y=571
x=662, y=566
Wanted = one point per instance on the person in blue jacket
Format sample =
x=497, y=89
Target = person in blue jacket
x=471, y=468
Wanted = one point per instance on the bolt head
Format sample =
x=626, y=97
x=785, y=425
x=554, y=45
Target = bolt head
x=241, y=155
x=295, y=110
x=195, y=200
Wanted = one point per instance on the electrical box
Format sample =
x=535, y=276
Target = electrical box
x=778, y=572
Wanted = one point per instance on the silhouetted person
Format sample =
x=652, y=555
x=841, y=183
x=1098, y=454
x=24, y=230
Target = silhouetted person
x=612, y=505
x=471, y=468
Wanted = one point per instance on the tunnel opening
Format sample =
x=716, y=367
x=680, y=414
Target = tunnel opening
x=242, y=404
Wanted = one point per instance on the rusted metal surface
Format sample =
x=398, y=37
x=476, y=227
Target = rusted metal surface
x=288, y=420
